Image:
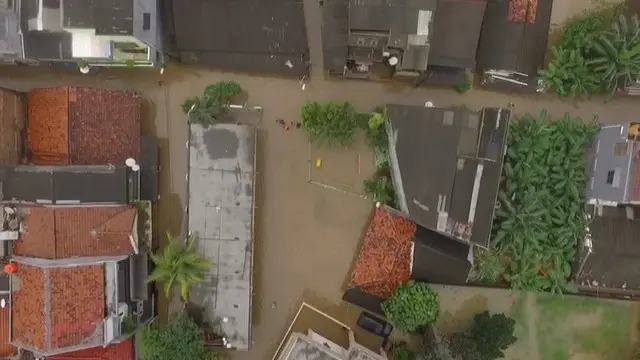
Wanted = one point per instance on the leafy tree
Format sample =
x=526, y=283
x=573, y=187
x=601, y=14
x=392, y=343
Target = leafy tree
x=212, y=106
x=570, y=72
x=492, y=334
x=539, y=219
x=462, y=347
x=616, y=54
x=179, y=265
x=569, y=75
x=412, y=305
x=334, y=122
x=181, y=338
x=487, y=339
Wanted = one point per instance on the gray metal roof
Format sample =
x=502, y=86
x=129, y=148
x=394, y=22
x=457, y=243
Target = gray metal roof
x=446, y=167
x=221, y=204
x=64, y=184
x=613, y=262
x=612, y=160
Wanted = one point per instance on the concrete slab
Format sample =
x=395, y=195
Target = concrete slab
x=221, y=205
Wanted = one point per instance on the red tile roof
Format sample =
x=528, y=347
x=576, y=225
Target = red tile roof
x=12, y=120
x=55, y=233
x=6, y=349
x=83, y=126
x=104, y=126
x=122, y=351
x=59, y=307
x=48, y=126
x=384, y=260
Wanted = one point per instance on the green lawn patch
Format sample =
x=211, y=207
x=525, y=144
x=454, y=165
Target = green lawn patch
x=569, y=326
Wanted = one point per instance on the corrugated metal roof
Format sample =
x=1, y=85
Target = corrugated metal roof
x=506, y=45
x=6, y=349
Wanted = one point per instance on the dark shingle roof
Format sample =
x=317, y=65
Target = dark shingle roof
x=456, y=33
x=507, y=45
x=613, y=262
x=244, y=35
x=64, y=184
x=447, y=165
x=437, y=259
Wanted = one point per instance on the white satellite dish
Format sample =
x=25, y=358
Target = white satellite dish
x=130, y=162
x=135, y=167
x=84, y=69
x=3, y=303
x=393, y=61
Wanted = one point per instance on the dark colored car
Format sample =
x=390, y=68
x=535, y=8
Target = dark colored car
x=375, y=325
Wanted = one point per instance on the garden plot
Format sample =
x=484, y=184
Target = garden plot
x=341, y=167
x=548, y=327
x=540, y=216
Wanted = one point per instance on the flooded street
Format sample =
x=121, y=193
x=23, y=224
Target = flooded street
x=306, y=236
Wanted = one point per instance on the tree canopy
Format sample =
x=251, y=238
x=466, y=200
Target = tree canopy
x=179, y=265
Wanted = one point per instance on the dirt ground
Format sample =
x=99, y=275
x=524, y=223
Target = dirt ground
x=306, y=235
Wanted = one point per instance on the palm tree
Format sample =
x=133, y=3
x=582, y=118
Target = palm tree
x=179, y=265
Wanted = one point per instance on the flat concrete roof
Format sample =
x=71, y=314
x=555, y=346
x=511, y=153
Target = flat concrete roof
x=221, y=205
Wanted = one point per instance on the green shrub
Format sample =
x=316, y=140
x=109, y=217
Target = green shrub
x=401, y=351
x=380, y=189
x=334, y=123
x=181, y=338
x=412, y=306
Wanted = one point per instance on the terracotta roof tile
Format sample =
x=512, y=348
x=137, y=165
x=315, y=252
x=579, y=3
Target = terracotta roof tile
x=59, y=308
x=383, y=262
x=6, y=349
x=122, y=351
x=12, y=121
x=28, y=308
x=48, y=125
x=55, y=233
x=105, y=126
x=77, y=305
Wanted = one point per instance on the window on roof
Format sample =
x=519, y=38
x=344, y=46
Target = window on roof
x=621, y=149
x=613, y=177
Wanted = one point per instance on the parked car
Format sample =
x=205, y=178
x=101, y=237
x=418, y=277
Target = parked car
x=375, y=325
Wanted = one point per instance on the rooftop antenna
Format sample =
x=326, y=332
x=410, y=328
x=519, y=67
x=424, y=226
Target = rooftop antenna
x=130, y=162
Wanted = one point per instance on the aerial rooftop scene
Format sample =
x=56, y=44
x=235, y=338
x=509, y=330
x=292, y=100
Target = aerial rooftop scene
x=206, y=180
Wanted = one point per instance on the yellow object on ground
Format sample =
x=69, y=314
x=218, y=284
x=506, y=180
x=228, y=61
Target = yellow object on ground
x=318, y=163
